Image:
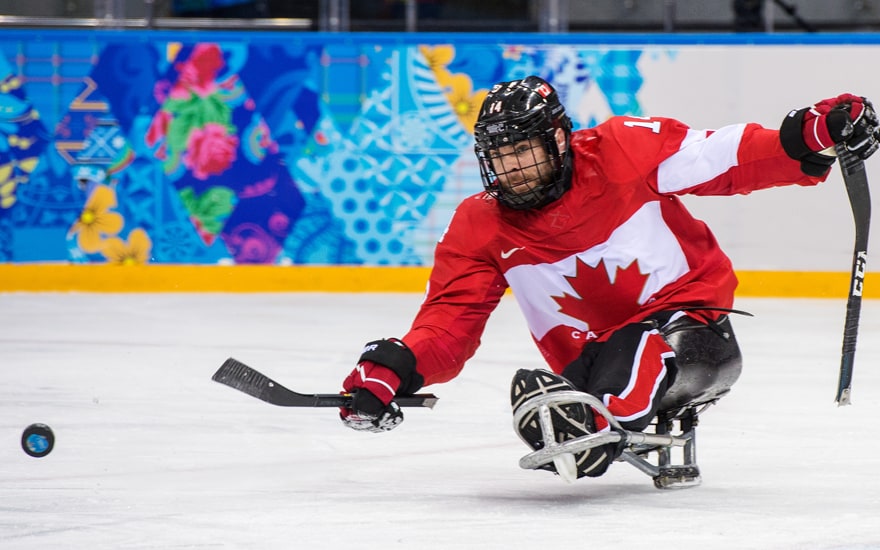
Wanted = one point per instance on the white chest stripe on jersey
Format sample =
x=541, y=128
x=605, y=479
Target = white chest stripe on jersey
x=644, y=237
x=700, y=158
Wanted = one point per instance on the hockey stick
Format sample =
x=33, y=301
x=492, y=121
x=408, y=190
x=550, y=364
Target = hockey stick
x=236, y=374
x=856, y=182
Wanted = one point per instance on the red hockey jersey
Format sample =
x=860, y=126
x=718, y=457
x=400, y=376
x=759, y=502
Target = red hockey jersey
x=618, y=246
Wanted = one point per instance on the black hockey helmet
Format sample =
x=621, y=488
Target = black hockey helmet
x=516, y=111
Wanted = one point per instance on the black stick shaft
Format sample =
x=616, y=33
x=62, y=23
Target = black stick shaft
x=235, y=374
x=856, y=182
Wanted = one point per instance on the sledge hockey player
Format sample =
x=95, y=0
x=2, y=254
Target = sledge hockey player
x=626, y=294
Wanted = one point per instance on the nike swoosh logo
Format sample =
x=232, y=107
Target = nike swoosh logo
x=508, y=253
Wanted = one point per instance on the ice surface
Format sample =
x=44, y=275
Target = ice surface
x=150, y=453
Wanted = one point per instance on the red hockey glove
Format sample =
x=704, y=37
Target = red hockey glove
x=385, y=368
x=810, y=134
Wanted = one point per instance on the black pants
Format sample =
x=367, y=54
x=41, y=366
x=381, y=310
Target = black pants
x=665, y=363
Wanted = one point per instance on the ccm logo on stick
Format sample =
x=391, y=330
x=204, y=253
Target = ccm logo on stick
x=859, y=279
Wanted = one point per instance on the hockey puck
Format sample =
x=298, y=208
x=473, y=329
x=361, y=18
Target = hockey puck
x=37, y=440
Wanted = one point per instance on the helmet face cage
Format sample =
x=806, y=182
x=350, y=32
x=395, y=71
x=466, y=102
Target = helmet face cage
x=521, y=163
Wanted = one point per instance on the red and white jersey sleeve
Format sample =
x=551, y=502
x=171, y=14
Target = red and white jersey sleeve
x=617, y=247
x=463, y=290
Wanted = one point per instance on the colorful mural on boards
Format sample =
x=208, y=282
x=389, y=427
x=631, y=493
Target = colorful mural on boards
x=258, y=151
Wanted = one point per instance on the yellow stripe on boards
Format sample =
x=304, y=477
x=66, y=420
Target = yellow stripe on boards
x=45, y=277
x=210, y=278
x=802, y=284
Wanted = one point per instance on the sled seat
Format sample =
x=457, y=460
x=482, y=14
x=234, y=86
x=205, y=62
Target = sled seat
x=708, y=362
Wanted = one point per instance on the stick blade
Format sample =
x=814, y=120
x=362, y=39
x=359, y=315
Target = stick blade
x=235, y=374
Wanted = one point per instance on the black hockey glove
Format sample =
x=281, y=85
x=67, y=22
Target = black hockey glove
x=809, y=134
x=385, y=368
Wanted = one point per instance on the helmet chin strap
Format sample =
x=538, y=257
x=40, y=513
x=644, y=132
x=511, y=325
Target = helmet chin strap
x=522, y=201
